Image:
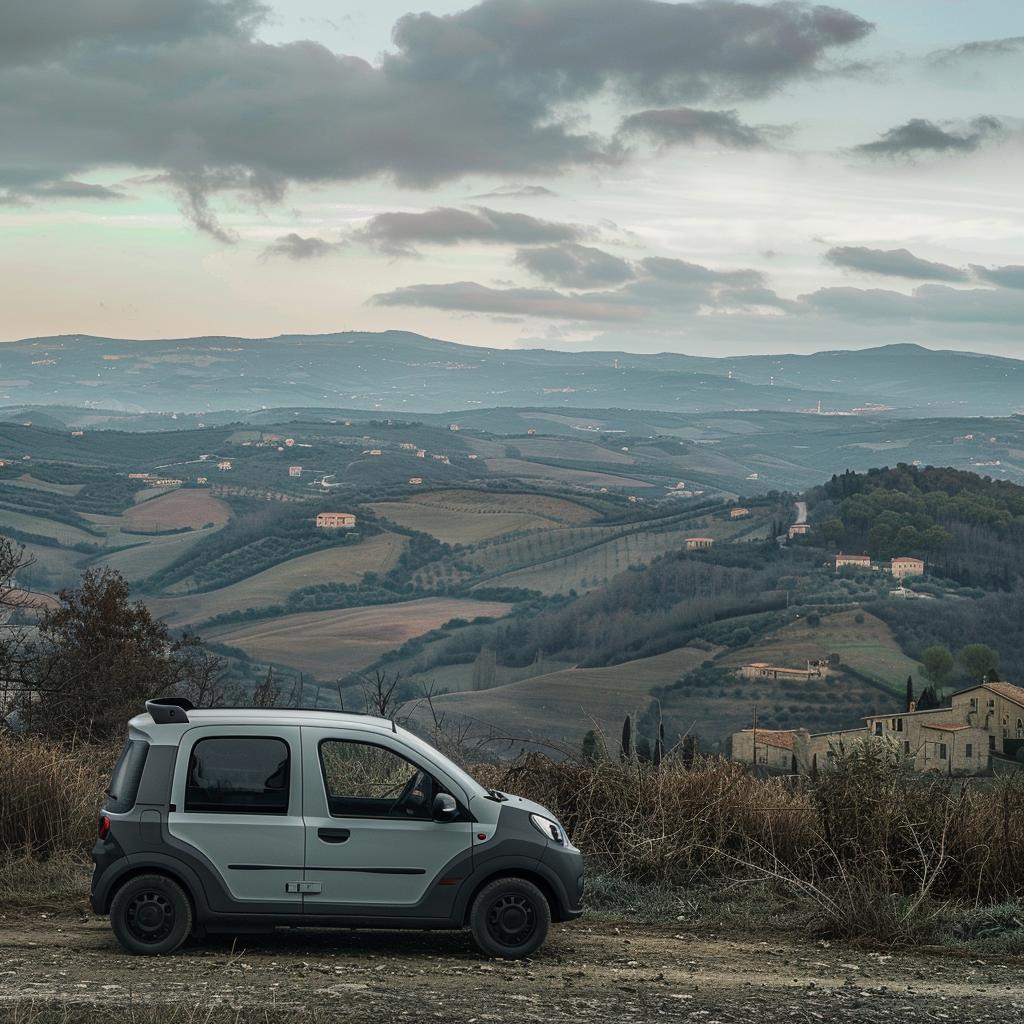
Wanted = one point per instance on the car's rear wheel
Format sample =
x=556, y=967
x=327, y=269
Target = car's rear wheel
x=151, y=915
x=509, y=918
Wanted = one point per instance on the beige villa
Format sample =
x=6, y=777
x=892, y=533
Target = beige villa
x=984, y=722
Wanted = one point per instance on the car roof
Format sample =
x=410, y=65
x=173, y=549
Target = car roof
x=285, y=716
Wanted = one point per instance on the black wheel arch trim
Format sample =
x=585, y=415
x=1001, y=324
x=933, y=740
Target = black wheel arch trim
x=516, y=867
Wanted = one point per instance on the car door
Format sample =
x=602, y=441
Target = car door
x=237, y=799
x=370, y=836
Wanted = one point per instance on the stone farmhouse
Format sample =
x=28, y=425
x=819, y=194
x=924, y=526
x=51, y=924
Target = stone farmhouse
x=335, y=520
x=764, y=670
x=983, y=726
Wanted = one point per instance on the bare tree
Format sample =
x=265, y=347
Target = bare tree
x=267, y=694
x=379, y=693
x=15, y=654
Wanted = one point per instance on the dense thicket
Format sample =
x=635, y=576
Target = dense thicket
x=967, y=527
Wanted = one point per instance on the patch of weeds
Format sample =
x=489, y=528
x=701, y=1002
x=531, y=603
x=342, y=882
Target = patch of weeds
x=54, y=884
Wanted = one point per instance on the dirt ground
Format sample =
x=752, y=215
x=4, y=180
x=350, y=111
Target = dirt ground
x=588, y=971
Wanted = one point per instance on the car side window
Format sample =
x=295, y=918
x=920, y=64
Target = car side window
x=238, y=775
x=363, y=780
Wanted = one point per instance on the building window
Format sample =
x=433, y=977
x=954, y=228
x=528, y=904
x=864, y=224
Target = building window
x=1020, y=728
x=974, y=703
x=238, y=775
x=969, y=750
x=991, y=743
x=942, y=751
x=899, y=725
x=991, y=704
x=878, y=728
x=906, y=747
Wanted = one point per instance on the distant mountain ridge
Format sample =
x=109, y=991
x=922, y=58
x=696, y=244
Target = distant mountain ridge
x=404, y=371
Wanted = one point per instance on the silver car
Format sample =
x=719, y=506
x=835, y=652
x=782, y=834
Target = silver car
x=241, y=820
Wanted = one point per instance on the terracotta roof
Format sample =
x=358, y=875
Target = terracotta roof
x=774, y=737
x=945, y=726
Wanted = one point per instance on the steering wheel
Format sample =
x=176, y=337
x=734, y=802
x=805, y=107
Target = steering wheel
x=419, y=781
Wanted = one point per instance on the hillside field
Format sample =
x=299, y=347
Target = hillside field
x=525, y=470
x=149, y=555
x=189, y=507
x=346, y=563
x=467, y=517
x=332, y=644
x=564, y=705
x=868, y=647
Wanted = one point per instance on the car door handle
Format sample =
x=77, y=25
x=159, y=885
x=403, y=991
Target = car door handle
x=333, y=835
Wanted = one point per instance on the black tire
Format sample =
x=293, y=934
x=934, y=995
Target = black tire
x=509, y=918
x=151, y=915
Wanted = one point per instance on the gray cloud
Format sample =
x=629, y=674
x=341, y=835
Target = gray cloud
x=20, y=195
x=398, y=233
x=686, y=126
x=184, y=88
x=660, y=287
x=893, y=263
x=977, y=49
x=928, y=302
x=575, y=266
x=68, y=189
x=477, y=298
x=517, y=192
x=1005, y=277
x=571, y=49
x=921, y=136
x=679, y=272
x=295, y=247
x=44, y=28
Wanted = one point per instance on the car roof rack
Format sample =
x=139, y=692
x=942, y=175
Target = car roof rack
x=169, y=710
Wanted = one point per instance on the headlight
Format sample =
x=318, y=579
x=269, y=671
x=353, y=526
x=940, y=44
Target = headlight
x=548, y=828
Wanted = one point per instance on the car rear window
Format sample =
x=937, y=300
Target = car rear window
x=238, y=775
x=124, y=783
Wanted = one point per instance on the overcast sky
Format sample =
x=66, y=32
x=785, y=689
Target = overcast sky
x=710, y=178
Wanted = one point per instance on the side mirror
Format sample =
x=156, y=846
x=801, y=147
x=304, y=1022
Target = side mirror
x=444, y=808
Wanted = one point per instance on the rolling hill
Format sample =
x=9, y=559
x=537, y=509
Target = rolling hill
x=403, y=371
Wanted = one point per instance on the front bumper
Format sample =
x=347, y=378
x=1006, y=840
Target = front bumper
x=567, y=864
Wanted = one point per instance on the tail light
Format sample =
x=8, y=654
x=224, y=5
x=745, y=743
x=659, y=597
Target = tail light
x=104, y=826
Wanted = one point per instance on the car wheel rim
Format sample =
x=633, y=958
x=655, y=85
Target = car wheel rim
x=511, y=919
x=150, y=917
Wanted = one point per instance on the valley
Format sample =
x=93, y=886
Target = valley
x=529, y=577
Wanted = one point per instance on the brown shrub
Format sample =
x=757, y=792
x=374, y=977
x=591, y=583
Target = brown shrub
x=50, y=795
x=875, y=850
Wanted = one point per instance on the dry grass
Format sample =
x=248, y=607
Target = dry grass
x=872, y=853
x=50, y=796
x=878, y=854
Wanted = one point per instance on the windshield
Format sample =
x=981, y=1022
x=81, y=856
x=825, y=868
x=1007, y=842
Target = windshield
x=446, y=764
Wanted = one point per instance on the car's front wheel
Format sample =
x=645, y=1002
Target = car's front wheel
x=509, y=918
x=150, y=915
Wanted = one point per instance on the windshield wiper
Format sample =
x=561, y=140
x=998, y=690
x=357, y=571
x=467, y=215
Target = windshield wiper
x=493, y=794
